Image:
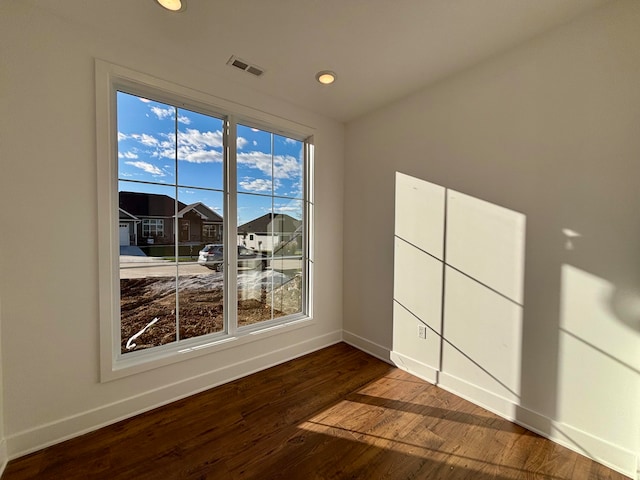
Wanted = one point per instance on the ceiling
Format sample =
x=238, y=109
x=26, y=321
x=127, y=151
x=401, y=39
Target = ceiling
x=381, y=50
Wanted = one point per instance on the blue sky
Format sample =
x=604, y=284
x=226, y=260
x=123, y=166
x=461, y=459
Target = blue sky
x=267, y=163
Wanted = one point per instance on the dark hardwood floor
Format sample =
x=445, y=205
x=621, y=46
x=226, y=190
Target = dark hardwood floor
x=336, y=413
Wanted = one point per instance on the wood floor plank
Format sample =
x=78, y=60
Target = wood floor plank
x=334, y=414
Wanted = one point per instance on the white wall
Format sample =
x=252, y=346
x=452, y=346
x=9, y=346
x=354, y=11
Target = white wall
x=549, y=129
x=50, y=278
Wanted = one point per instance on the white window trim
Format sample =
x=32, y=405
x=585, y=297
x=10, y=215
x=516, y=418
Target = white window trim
x=113, y=364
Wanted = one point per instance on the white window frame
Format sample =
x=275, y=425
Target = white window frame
x=109, y=79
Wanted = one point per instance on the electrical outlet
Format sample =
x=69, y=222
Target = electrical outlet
x=422, y=331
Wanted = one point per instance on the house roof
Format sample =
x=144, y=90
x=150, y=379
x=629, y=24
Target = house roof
x=124, y=215
x=148, y=204
x=206, y=214
x=138, y=204
x=264, y=224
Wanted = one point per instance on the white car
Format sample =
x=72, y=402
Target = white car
x=212, y=256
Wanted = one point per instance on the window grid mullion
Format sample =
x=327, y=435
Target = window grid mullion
x=231, y=221
x=273, y=217
x=176, y=232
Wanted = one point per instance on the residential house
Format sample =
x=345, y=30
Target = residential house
x=149, y=219
x=271, y=232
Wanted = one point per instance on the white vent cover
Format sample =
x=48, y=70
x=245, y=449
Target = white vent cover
x=245, y=66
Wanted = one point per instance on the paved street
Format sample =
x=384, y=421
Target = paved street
x=141, y=267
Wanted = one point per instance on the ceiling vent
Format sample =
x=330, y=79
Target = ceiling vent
x=245, y=66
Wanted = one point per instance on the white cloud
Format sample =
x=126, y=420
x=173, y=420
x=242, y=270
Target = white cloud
x=122, y=136
x=199, y=156
x=144, y=100
x=295, y=210
x=169, y=113
x=147, y=167
x=241, y=142
x=296, y=190
x=196, y=138
x=256, y=185
x=290, y=141
x=284, y=166
x=255, y=143
x=129, y=155
x=145, y=139
x=163, y=113
x=259, y=160
x=195, y=146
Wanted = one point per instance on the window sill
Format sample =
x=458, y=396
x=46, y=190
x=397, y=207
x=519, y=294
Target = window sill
x=145, y=360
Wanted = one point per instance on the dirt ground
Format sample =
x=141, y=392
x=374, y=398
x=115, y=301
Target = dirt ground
x=200, y=306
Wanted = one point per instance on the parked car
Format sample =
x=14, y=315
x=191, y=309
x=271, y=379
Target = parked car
x=212, y=256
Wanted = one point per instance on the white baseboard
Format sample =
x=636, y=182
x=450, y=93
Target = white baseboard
x=414, y=367
x=608, y=454
x=4, y=458
x=367, y=346
x=601, y=451
x=29, y=441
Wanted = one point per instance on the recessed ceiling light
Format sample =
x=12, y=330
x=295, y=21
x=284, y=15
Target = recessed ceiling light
x=326, y=77
x=173, y=5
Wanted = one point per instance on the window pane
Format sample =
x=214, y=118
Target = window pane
x=271, y=235
x=255, y=163
x=288, y=237
x=199, y=220
x=146, y=140
x=147, y=306
x=200, y=287
x=200, y=146
x=253, y=213
x=146, y=222
x=147, y=268
x=255, y=245
x=200, y=300
x=287, y=166
x=288, y=289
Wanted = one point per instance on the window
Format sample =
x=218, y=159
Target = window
x=212, y=233
x=152, y=227
x=196, y=181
